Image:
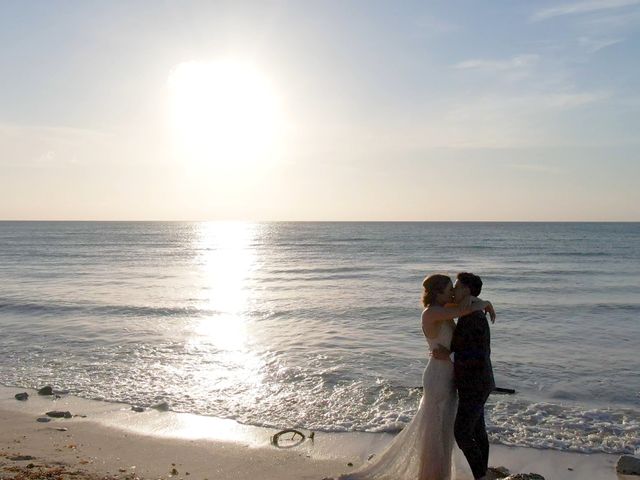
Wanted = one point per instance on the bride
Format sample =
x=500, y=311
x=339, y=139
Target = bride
x=422, y=450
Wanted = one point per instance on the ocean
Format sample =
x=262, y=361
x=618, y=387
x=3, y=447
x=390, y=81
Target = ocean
x=317, y=325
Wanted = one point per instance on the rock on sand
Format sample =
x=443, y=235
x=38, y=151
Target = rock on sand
x=628, y=465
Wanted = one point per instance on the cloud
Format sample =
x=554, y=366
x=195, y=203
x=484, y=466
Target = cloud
x=581, y=7
x=594, y=45
x=613, y=21
x=516, y=63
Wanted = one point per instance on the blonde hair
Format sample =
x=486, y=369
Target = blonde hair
x=433, y=286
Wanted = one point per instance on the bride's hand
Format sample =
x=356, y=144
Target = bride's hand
x=491, y=311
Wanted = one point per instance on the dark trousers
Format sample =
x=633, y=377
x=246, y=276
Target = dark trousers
x=471, y=433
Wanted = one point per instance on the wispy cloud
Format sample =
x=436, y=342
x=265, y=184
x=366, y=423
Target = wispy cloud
x=516, y=63
x=593, y=45
x=581, y=7
x=614, y=21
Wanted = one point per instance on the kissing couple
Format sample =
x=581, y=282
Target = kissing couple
x=454, y=392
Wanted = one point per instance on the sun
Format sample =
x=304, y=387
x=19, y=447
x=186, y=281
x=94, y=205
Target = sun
x=223, y=112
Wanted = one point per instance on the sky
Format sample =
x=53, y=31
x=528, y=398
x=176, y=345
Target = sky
x=326, y=110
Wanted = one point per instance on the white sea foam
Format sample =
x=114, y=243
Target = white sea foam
x=564, y=427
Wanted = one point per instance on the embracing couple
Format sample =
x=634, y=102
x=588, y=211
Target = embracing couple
x=452, y=404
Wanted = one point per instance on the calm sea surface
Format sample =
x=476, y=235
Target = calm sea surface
x=317, y=325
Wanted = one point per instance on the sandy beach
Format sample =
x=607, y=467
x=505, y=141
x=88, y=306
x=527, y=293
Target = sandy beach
x=99, y=450
x=105, y=439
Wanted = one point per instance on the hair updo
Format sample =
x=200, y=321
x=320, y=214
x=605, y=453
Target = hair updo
x=433, y=286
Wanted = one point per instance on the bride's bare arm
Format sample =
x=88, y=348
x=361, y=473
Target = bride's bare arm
x=437, y=313
x=488, y=309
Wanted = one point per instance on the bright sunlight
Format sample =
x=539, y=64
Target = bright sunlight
x=223, y=112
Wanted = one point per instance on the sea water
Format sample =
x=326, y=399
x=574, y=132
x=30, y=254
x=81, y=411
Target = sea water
x=317, y=325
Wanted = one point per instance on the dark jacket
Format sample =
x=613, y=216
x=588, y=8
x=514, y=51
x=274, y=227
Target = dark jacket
x=471, y=344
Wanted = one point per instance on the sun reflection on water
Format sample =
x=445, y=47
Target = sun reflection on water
x=227, y=259
x=221, y=340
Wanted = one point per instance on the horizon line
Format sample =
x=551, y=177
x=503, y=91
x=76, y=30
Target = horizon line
x=312, y=221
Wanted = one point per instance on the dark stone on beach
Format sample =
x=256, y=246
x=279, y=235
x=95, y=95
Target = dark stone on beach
x=349, y=464
x=628, y=465
x=59, y=414
x=499, y=472
x=162, y=406
x=43, y=419
x=22, y=458
x=48, y=390
x=22, y=396
x=137, y=409
x=524, y=476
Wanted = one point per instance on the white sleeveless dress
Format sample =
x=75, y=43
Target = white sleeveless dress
x=423, y=449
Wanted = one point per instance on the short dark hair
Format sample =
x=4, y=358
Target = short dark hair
x=471, y=281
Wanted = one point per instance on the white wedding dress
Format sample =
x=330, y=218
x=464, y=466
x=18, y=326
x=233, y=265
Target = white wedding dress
x=423, y=449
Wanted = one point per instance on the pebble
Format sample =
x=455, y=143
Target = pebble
x=628, y=465
x=499, y=472
x=48, y=390
x=59, y=414
x=22, y=396
x=162, y=406
x=43, y=419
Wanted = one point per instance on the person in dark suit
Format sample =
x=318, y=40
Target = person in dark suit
x=473, y=376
